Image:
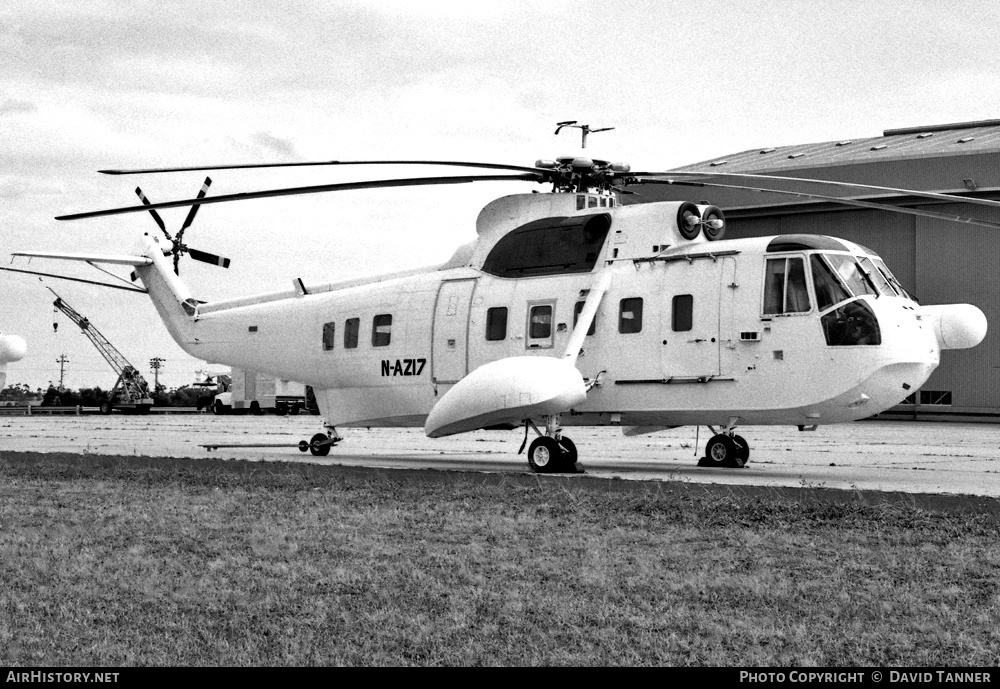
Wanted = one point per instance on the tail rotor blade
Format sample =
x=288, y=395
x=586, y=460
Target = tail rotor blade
x=205, y=257
x=152, y=211
x=194, y=208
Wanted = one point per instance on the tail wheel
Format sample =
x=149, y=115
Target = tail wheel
x=319, y=445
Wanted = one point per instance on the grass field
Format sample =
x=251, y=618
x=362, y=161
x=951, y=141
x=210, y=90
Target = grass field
x=116, y=561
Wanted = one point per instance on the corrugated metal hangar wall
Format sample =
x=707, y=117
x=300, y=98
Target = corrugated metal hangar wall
x=939, y=262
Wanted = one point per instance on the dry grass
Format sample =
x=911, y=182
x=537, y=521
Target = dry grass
x=138, y=561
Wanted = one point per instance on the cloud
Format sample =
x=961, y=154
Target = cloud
x=273, y=143
x=15, y=107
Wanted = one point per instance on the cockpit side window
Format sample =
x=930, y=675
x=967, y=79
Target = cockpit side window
x=829, y=291
x=785, y=289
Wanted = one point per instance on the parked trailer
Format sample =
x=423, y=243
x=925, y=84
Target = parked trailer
x=250, y=392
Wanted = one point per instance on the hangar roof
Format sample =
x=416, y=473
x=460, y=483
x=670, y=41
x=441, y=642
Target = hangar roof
x=931, y=141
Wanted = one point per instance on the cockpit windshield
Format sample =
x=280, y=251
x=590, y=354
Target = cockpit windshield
x=880, y=264
x=860, y=275
x=850, y=272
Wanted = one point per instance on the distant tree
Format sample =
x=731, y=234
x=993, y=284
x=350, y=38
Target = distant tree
x=17, y=393
x=184, y=396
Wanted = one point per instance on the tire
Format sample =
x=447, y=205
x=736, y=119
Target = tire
x=742, y=449
x=569, y=452
x=280, y=409
x=106, y=407
x=219, y=408
x=319, y=445
x=545, y=455
x=255, y=409
x=721, y=451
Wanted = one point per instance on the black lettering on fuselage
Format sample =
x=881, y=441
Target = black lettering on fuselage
x=403, y=367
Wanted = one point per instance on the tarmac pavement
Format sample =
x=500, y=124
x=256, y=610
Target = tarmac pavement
x=903, y=456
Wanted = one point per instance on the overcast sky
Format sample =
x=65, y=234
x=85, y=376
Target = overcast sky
x=86, y=85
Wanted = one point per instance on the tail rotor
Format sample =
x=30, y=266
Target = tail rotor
x=177, y=245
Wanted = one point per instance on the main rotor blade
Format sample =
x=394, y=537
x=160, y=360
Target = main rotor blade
x=854, y=185
x=446, y=163
x=349, y=186
x=834, y=199
x=208, y=258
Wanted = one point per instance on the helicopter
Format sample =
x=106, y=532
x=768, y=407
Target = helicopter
x=571, y=308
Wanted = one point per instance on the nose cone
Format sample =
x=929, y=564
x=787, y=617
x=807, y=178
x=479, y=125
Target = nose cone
x=12, y=348
x=957, y=326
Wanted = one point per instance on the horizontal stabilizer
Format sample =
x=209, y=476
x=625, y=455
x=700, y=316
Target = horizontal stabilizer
x=88, y=258
x=507, y=391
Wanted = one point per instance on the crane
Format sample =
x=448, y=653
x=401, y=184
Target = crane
x=131, y=391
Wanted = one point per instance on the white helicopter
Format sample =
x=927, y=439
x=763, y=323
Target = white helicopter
x=571, y=308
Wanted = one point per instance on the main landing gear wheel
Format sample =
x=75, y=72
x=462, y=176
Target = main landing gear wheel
x=550, y=456
x=569, y=452
x=723, y=451
x=742, y=449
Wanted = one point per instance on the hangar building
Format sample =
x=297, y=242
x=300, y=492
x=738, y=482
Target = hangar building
x=937, y=261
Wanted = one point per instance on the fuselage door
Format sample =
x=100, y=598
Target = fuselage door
x=690, y=328
x=450, y=337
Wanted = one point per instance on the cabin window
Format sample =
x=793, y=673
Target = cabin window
x=630, y=315
x=785, y=288
x=577, y=310
x=829, y=291
x=683, y=313
x=541, y=322
x=351, y=327
x=381, y=330
x=550, y=246
x=540, y=331
x=496, y=323
x=329, y=331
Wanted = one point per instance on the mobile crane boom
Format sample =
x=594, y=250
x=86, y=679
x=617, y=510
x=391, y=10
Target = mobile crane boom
x=131, y=391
